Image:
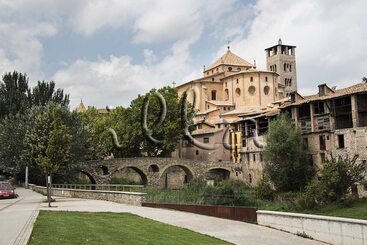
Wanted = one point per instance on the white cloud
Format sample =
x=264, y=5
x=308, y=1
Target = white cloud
x=330, y=37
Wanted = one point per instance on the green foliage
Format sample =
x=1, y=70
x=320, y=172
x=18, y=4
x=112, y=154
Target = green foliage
x=288, y=165
x=338, y=176
x=45, y=92
x=228, y=192
x=264, y=190
x=48, y=141
x=14, y=94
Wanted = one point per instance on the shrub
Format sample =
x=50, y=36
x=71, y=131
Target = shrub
x=338, y=176
x=264, y=190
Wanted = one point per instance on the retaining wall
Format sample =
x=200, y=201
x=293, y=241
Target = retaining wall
x=327, y=229
x=246, y=214
x=132, y=198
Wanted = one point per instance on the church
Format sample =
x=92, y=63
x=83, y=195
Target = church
x=231, y=89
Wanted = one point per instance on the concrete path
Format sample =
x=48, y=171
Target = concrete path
x=228, y=230
x=17, y=216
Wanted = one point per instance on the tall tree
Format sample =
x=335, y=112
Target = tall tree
x=48, y=141
x=288, y=164
x=45, y=92
x=14, y=94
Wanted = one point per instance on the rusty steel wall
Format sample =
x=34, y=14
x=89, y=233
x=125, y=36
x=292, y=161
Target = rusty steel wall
x=246, y=214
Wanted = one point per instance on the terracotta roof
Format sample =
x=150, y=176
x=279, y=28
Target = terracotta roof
x=358, y=88
x=221, y=121
x=229, y=58
x=206, y=112
x=205, y=131
x=244, y=110
x=220, y=102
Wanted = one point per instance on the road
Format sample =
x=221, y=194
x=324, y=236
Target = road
x=17, y=216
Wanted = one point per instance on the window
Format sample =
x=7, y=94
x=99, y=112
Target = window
x=225, y=108
x=266, y=79
x=250, y=178
x=341, y=141
x=237, y=81
x=254, y=157
x=305, y=143
x=288, y=82
x=322, y=157
x=238, y=91
x=251, y=79
x=212, y=79
x=229, y=68
x=290, y=68
x=318, y=107
x=261, y=156
x=266, y=90
x=248, y=157
x=226, y=94
x=322, y=142
x=238, y=69
x=252, y=90
x=197, y=152
x=225, y=84
x=275, y=68
x=207, y=73
x=206, y=140
x=208, y=106
x=285, y=67
x=214, y=94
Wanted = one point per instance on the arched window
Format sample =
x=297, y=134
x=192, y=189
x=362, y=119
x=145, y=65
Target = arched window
x=285, y=67
x=238, y=91
x=266, y=90
x=229, y=68
x=214, y=94
x=226, y=94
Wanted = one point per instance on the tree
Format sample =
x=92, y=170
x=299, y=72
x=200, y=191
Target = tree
x=45, y=92
x=288, y=165
x=48, y=141
x=364, y=79
x=14, y=94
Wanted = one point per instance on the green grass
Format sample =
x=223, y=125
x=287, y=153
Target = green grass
x=109, y=228
x=356, y=209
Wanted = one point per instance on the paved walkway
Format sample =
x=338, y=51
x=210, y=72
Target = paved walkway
x=17, y=216
x=228, y=230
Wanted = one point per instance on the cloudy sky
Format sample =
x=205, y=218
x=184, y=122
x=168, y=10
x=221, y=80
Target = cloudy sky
x=109, y=51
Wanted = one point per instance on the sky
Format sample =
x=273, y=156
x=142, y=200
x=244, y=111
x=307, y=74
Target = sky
x=106, y=52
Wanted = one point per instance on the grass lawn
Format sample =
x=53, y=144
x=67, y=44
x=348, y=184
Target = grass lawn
x=356, y=210
x=109, y=228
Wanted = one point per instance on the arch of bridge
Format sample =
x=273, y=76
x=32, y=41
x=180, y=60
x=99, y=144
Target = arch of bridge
x=198, y=169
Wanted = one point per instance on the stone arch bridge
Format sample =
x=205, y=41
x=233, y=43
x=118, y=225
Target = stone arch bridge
x=156, y=171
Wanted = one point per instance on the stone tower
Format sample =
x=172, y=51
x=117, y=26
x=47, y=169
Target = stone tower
x=281, y=59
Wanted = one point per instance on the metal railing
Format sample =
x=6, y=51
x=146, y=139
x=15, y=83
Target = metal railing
x=107, y=187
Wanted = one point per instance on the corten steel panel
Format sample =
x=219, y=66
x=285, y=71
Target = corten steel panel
x=246, y=214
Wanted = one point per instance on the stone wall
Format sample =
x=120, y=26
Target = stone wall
x=331, y=230
x=131, y=198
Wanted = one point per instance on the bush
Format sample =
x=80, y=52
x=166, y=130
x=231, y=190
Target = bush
x=338, y=176
x=264, y=191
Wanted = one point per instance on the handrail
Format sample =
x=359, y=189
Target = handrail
x=109, y=187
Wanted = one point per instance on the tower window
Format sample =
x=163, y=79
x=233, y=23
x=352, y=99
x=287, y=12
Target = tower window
x=251, y=79
x=226, y=94
x=237, y=81
x=285, y=67
x=266, y=79
x=214, y=94
x=229, y=68
x=206, y=140
x=238, y=69
x=213, y=79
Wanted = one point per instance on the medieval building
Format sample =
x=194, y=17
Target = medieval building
x=236, y=102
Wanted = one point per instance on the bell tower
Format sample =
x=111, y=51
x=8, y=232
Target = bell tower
x=281, y=59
